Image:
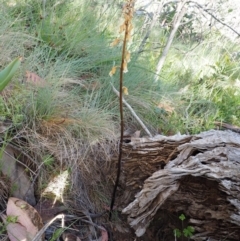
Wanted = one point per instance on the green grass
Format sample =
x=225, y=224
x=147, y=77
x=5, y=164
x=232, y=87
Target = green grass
x=69, y=42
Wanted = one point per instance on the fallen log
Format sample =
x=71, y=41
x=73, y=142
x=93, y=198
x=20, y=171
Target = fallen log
x=200, y=177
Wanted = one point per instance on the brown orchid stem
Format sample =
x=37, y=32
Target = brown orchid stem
x=121, y=121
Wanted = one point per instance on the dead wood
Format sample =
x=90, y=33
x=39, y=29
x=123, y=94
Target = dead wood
x=142, y=157
x=227, y=126
x=200, y=178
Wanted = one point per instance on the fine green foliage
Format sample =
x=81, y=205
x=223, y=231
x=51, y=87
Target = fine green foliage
x=68, y=44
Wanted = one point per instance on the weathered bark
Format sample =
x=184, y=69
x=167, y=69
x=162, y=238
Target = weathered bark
x=144, y=156
x=200, y=179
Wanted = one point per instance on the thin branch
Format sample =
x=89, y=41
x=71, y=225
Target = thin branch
x=165, y=4
x=133, y=113
x=213, y=16
x=154, y=20
x=176, y=22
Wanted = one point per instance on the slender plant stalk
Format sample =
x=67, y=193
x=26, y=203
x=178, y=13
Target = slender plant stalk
x=121, y=123
x=126, y=27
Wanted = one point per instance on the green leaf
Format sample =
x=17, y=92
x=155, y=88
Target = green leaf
x=9, y=71
x=177, y=233
x=57, y=234
x=188, y=232
x=182, y=217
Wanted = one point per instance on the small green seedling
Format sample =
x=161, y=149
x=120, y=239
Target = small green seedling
x=188, y=231
x=185, y=232
x=177, y=233
x=182, y=217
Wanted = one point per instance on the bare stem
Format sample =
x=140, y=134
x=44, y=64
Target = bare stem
x=121, y=120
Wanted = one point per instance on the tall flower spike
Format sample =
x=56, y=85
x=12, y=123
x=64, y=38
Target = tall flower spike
x=125, y=28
